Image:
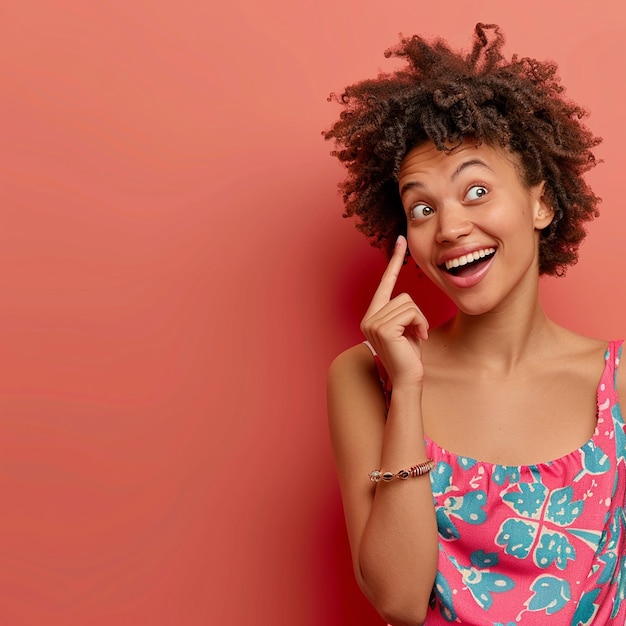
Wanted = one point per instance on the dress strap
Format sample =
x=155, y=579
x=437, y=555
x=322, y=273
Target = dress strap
x=613, y=356
x=371, y=347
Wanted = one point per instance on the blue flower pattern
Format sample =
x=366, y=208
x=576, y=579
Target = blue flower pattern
x=550, y=594
x=468, y=507
x=587, y=608
x=483, y=583
x=550, y=527
x=518, y=536
x=502, y=473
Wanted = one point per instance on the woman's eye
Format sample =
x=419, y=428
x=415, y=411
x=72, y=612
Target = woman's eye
x=476, y=192
x=420, y=211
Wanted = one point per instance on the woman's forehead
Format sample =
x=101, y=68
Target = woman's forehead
x=426, y=156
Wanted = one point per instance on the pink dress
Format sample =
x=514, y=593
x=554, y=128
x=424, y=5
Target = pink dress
x=537, y=544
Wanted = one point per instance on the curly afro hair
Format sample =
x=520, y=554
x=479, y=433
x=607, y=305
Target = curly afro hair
x=445, y=96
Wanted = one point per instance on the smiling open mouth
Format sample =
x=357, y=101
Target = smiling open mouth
x=468, y=264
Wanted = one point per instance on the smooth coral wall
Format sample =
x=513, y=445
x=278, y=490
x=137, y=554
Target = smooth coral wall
x=175, y=277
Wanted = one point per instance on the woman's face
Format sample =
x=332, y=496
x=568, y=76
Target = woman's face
x=472, y=225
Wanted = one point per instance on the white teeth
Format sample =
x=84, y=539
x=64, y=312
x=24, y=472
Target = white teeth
x=468, y=258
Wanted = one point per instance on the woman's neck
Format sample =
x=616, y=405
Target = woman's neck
x=503, y=338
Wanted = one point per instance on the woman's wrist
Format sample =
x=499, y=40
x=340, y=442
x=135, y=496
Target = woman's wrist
x=408, y=388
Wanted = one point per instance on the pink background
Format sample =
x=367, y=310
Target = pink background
x=176, y=277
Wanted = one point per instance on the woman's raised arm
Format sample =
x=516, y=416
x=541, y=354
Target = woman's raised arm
x=391, y=525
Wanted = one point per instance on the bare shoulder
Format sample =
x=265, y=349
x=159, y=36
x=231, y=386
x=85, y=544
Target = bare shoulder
x=602, y=346
x=355, y=361
x=580, y=349
x=581, y=356
x=353, y=381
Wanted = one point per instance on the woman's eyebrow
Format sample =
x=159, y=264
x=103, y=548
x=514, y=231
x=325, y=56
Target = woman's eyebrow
x=470, y=163
x=416, y=184
x=412, y=184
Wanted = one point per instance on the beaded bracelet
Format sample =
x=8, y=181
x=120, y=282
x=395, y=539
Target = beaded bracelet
x=416, y=470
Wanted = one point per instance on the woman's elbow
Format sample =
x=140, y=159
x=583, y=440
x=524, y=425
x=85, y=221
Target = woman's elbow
x=394, y=610
x=409, y=616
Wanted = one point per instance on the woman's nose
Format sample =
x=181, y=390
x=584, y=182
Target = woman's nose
x=453, y=222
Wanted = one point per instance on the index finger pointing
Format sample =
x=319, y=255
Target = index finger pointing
x=383, y=293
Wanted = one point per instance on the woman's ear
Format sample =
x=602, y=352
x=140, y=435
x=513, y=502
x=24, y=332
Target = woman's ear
x=543, y=210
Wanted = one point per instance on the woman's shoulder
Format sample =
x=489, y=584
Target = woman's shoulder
x=354, y=371
x=588, y=354
x=355, y=395
x=577, y=346
x=356, y=359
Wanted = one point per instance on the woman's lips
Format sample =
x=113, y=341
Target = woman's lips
x=469, y=273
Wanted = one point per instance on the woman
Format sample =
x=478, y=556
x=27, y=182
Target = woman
x=494, y=444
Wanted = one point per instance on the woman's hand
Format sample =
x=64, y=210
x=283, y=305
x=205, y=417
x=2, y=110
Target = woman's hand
x=395, y=327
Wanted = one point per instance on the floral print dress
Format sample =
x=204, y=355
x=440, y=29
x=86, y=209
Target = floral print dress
x=537, y=544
